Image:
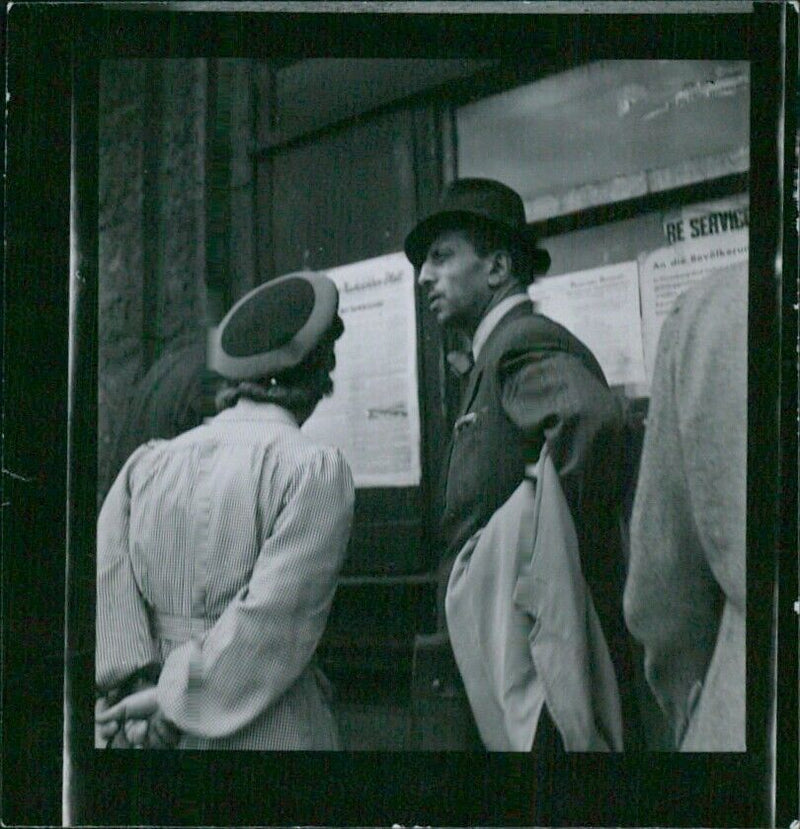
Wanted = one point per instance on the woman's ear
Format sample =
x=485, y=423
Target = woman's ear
x=500, y=268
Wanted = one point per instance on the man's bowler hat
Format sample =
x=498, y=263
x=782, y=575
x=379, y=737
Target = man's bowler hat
x=274, y=327
x=477, y=201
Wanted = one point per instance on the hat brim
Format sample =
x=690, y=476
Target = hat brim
x=421, y=237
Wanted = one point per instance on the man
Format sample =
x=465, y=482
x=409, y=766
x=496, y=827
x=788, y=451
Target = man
x=532, y=381
x=686, y=588
x=219, y=550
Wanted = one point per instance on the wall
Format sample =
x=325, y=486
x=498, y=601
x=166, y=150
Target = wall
x=175, y=240
x=121, y=252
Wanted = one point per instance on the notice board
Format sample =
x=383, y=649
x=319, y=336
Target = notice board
x=373, y=413
x=617, y=307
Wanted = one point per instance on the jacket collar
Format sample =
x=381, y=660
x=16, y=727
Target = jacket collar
x=246, y=409
x=492, y=319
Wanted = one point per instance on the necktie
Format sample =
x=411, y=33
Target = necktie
x=460, y=362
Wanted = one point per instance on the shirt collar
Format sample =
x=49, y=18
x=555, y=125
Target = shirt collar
x=246, y=409
x=490, y=321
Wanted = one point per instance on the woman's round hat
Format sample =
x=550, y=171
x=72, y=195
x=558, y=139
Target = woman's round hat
x=274, y=327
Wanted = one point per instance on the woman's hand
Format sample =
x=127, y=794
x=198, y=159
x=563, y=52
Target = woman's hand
x=105, y=731
x=161, y=732
x=136, y=732
x=136, y=706
x=144, y=722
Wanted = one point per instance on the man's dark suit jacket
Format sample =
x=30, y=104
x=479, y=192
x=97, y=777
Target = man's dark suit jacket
x=533, y=380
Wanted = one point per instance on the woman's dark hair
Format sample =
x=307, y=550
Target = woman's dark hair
x=298, y=389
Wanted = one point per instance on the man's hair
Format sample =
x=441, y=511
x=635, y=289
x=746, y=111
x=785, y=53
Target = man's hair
x=298, y=389
x=485, y=239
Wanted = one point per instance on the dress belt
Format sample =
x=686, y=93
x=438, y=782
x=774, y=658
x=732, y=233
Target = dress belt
x=180, y=628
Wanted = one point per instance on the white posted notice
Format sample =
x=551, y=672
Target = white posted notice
x=373, y=413
x=600, y=307
x=667, y=272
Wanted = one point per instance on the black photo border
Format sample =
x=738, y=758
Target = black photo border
x=49, y=445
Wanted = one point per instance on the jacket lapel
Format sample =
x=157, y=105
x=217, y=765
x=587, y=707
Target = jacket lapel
x=472, y=387
x=522, y=310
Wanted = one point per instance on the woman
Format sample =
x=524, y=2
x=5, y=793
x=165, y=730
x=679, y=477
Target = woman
x=219, y=550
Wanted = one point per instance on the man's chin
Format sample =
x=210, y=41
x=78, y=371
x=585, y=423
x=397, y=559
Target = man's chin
x=444, y=318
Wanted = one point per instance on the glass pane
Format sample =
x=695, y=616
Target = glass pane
x=608, y=131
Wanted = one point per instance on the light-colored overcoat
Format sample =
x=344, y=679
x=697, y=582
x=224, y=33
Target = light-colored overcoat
x=686, y=587
x=524, y=629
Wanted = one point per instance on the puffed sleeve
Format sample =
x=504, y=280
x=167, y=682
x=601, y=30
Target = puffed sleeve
x=666, y=599
x=124, y=644
x=267, y=635
x=550, y=394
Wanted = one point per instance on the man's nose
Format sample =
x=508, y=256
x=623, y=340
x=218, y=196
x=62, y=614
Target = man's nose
x=424, y=276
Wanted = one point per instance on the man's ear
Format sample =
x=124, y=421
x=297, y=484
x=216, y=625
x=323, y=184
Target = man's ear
x=500, y=268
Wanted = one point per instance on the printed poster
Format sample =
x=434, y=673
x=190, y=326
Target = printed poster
x=373, y=413
x=600, y=306
x=667, y=272
x=715, y=218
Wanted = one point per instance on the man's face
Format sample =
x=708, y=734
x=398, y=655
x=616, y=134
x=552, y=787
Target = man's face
x=456, y=280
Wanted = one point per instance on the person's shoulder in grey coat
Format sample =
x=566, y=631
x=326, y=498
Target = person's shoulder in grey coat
x=685, y=591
